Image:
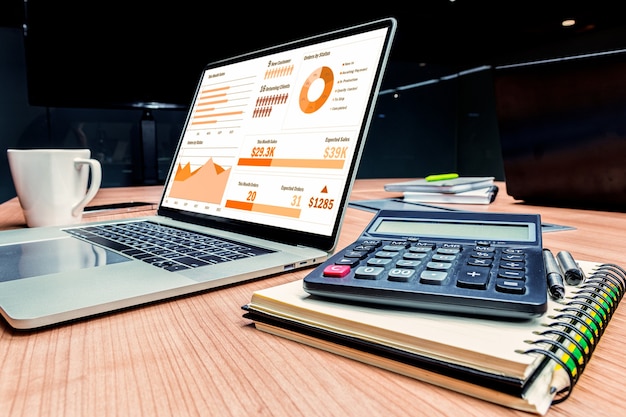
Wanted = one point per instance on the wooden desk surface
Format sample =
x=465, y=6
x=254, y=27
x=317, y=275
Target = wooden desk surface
x=197, y=355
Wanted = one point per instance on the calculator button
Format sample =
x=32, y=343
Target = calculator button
x=393, y=248
x=511, y=274
x=422, y=246
x=513, y=257
x=355, y=254
x=387, y=254
x=401, y=274
x=512, y=265
x=443, y=258
x=479, y=262
x=449, y=251
x=433, y=277
x=369, y=272
x=374, y=243
x=482, y=254
x=405, y=263
x=337, y=271
x=439, y=266
x=419, y=251
x=364, y=248
x=476, y=278
x=511, y=286
x=383, y=262
x=414, y=256
x=401, y=243
x=348, y=261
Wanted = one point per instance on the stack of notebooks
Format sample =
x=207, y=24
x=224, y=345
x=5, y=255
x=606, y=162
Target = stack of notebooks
x=461, y=190
x=525, y=365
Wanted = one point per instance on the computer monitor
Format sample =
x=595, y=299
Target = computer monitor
x=562, y=125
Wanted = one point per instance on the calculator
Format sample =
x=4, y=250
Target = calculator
x=459, y=262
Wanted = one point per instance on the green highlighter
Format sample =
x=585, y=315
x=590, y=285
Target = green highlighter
x=441, y=177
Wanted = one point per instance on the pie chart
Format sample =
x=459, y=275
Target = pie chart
x=324, y=74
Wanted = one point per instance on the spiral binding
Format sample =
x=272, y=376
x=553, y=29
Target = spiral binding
x=576, y=330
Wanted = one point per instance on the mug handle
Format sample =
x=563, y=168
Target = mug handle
x=94, y=186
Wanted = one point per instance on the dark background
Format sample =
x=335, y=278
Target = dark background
x=419, y=128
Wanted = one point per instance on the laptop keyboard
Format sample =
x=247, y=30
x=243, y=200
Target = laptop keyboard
x=166, y=247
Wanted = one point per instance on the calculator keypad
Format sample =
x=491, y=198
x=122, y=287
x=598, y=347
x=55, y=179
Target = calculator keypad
x=476, y=278
x=433, y=264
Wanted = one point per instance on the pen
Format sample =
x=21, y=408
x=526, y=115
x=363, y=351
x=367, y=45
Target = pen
x=573, y=274
x=553, y=275
x=441, y=177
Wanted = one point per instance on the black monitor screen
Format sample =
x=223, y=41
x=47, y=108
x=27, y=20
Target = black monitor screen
x=110, y=54
x=562, y=126
x=90, y=55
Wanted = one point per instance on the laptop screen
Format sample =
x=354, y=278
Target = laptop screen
x=273, y=138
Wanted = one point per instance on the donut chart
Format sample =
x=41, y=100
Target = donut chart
x=325, y=74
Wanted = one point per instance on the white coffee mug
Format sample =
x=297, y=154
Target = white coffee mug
x=52, y=184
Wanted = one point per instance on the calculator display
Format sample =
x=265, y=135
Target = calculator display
x=518, y=232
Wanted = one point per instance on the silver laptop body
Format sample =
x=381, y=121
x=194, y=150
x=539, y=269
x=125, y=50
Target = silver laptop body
x=265, y=162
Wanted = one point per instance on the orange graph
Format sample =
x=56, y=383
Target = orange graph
x=264, y=208
x=292, y=163
x=206, y=183
x=325, y=74
x=210, y=103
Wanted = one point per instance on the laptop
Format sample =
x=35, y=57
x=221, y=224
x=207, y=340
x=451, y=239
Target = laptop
x=258, y=186
x=562, y=125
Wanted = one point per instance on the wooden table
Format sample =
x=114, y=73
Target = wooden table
x=197, y=355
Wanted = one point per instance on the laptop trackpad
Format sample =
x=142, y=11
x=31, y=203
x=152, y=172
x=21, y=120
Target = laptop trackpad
x=32, y=259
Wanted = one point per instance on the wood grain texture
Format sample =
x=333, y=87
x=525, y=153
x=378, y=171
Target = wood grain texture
x=197, y=355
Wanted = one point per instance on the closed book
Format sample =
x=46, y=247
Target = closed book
x=479, y=196
x=522, y=364
x=454, y=185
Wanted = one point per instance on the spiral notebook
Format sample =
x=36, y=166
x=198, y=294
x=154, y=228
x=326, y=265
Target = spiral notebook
x=525, y=365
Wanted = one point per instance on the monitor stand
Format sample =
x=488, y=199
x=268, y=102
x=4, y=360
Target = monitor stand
x=150, y=166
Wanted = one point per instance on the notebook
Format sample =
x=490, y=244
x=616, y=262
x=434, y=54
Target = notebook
x=526, y=365
x=479, y=196
x=265, y=163
x=451, y=186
